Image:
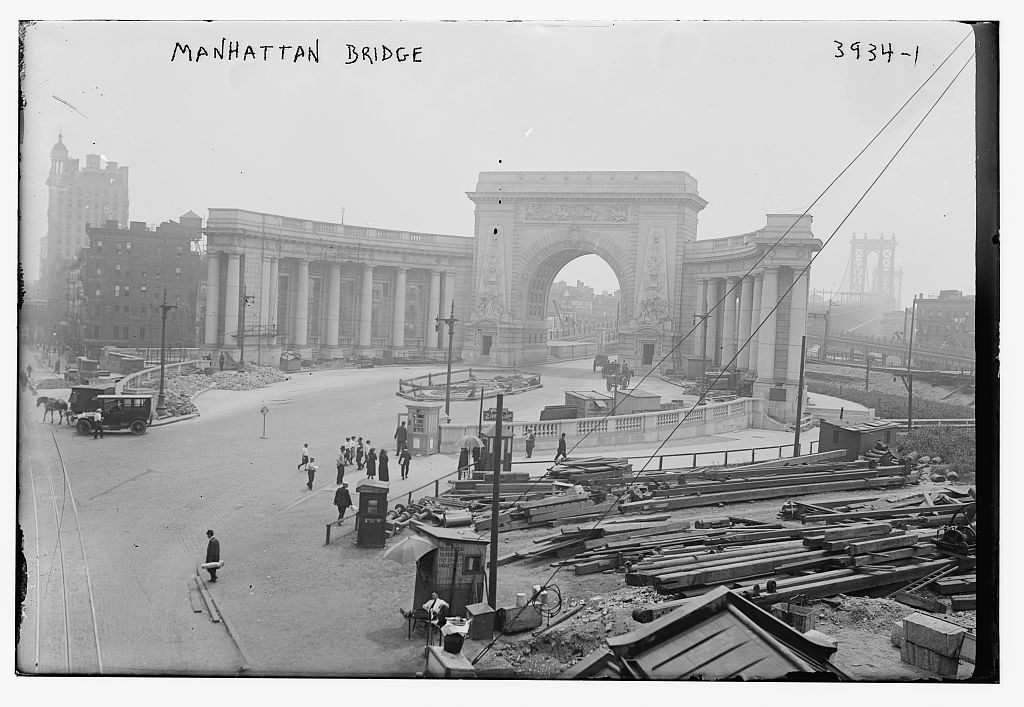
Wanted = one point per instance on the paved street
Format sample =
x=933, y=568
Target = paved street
x=133, y=512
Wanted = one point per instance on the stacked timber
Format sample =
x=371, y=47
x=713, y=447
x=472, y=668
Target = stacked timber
x=760, y=481
x=595, y=471
x=530, y=514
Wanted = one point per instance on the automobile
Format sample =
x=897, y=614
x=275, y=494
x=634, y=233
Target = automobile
x=364, y=362
x=120, y=412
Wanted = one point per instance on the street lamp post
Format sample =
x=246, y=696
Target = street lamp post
x=450, y=321
x=161, y=404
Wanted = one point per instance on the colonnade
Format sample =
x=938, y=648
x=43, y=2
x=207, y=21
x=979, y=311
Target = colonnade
x=748, y=311
x=263, y=304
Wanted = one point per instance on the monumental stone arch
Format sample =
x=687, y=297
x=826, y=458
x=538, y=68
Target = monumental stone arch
x=644, y=225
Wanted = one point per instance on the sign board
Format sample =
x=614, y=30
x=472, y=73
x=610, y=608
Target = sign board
x=491, y=414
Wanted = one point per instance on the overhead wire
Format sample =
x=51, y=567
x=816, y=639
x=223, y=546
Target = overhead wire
x=753, y=267
x=780, y=300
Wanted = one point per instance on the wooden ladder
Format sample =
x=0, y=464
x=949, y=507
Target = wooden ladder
x=925, y=581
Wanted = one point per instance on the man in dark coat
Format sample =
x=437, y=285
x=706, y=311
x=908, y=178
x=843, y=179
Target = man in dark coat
x=221, y=359
x=382, y=466
x=561, y=454
x=342, y=500
x=360, y=454
x=212, y=554
x=463, y=462
x=403, y=462
x=371, y=463
x=401, y=436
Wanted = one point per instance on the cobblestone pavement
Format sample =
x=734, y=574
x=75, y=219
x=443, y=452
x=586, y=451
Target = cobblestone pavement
x=294, y=604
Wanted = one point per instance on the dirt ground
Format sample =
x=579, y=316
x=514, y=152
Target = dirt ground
x=861, y=624
x=884, y=383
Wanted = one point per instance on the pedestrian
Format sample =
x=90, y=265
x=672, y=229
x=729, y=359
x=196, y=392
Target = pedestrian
x=344, y=448
x=221, y=359
x=401, y=435
x=29, y=371
x=360, y=454
x=403, y=462
x=342, y=499
x=340, y=462
x=352, y=450
x=477, y=463
x=305, y=456
x=371, y=463
x=212, y=554
x=310, y=472
x=560, y=454
x=382, y=466
x=97, y=424
x=22, y=380
x=463, y=462
x=531, y=441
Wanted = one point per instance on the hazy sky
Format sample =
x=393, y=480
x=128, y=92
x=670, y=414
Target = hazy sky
x=761, y=114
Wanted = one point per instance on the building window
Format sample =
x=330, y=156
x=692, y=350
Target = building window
x=143, y=309
x=128, y=246
x=177, y=273
x=97, y=292
x=143, y=288
x=117, y=267
x=117, y=290
x=142, y=332
x=178, y=251
x=99, y=271
x=126, y=289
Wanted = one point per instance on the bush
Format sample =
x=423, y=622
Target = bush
x=956, y=445
x=892, y=407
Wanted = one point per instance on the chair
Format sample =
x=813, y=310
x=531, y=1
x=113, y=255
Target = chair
x=416, y=617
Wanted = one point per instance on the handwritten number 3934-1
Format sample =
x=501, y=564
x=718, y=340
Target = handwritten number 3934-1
x=872, y=52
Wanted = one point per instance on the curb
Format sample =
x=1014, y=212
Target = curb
x=172, y=420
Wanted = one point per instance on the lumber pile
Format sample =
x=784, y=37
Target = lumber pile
x=925, y=508
x=533, y=513
x=760, y=481
x=594, y=471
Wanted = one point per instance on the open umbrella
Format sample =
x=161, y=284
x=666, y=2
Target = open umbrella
x=468, y=442
x=410, y=549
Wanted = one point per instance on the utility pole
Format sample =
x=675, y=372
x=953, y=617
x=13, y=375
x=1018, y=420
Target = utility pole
x=800, y=398
x=161, y=404
x=492, y=566
x=450, y=321
x=910, y=376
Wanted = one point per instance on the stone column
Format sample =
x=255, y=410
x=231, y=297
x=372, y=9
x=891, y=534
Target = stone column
x=746, y=310
x=729, y=322
x=265, y=293
x=231, y=301
x=766, y=337
x=716, y=315
x=433, y=308
x=698, y=344
x=366, y=307
x=398, y=321
x=212, y=297
x=755, y=321
x=797, y=324
x=301, y=302
x=333, y=304
x=274, y=284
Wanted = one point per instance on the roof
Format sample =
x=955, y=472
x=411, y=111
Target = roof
x=720, y=635
x=450, y=534
x=600, y=663
x=190, y=214
x=120, y=397
x=589, y=395
x=637, y=393
x=862, y=425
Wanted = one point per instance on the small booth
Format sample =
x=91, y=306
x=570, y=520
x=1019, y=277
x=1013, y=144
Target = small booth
x=371, y=520
x=693, y=366
x=424, y=428
x=855, y=437
x=489, y=437
x=290, y=362
x=590, y=403
x=630, y=402
x=455, y=570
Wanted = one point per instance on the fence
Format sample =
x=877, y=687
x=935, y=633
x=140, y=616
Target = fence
x=711, y=419
x=943, y=422
x=150, y=377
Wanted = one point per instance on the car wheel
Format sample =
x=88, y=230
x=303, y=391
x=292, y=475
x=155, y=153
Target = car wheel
x=83, y=426
x=137, y=427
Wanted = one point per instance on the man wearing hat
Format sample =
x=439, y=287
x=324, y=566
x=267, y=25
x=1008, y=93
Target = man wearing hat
x=212, y=554
x=342, y=499
x=97, y=424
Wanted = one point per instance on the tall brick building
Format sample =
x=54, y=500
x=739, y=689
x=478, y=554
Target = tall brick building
x=121, y=279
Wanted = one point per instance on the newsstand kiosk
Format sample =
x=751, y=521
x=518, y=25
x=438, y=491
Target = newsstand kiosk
x=371, y=520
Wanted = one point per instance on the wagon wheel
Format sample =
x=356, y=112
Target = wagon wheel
x=84, y=426
x=137, y=427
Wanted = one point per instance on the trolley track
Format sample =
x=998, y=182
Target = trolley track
x=66, y=631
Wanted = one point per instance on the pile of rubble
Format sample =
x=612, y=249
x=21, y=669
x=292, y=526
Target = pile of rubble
x=252, y=378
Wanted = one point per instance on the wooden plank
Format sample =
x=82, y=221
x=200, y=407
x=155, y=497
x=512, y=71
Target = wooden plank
x=947, y=509
x=891, y=542
x=964, y=602
x=734, y=570
x=789, y=480
x=919, y=601
x=902, y=553
x=756, y=494
x=864, y=530
x=596, y=566
x=957, y=585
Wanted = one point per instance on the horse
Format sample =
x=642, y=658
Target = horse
x=53, y=405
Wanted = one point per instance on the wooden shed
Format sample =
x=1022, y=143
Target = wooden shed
x=629, y=402
x=455, y=570
x=590, y=403
x=856, y=437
